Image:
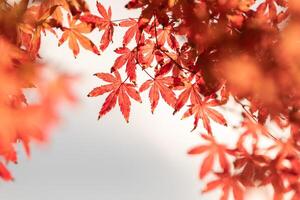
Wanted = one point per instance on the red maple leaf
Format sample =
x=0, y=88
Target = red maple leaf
x=213, y=149
x=227, y=183
x=119, y=91
x=127, y=57
x=191, y=92
x=132, y=31
x=165, y=35
x=147, y=52
x=159, y=85
x=252, y=167
x=202, y=110
x=34, y=23
x=74, y=34
x=104, y=23
x=73, y=7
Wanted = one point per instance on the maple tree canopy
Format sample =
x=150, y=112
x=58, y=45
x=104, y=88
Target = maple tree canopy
x=199, y=57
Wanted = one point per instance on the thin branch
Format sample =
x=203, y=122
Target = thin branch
x=253, y=118
x=143, y=69
x=118, y=20
x=178, y=65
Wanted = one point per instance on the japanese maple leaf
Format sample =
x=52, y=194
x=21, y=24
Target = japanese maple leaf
x=23, y=122
x=187, y=55
x=104, y=23
x=118, y=91
x=165, y=35
x=33, y=23
x=276, y=178
x=16, y=27
x=179, y=61
x=159, y=86
x=213, y=150
x=252, y=167
x=203, y=111
x=252, y=129
x=74, y=34
x=127, y=57
x=133, y=30
x=191, y=91
x=147, y=53
x=228, y=183
x=71, y=6
x=58, y=15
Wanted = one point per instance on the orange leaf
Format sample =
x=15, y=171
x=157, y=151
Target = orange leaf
x=119, y=91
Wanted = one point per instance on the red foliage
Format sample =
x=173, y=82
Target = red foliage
x=74, y=34
x=23, y=121
x=119, y=90
x=216, y=51
x=159, y=85
x=213, y=52
x=104, y=23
